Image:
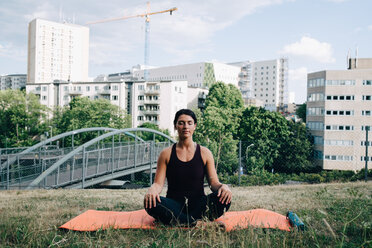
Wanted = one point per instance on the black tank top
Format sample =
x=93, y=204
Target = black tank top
x=185, y=179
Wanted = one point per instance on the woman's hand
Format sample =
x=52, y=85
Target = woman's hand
x=150, y=198
x=224, y=193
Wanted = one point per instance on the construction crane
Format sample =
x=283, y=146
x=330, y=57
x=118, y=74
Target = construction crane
x=147, y=30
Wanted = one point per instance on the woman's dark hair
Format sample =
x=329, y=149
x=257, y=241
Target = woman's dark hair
x=184, y=112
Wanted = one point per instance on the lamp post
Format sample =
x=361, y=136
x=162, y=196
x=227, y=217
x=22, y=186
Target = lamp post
x=240, y=160
x=51, y=131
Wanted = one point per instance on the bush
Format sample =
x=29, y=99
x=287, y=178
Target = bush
x=263, y=177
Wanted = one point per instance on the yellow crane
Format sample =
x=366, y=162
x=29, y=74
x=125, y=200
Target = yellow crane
x=147, y=29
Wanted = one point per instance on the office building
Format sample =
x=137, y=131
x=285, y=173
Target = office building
x=13, y=82
x=57, y=51
x=339, y=108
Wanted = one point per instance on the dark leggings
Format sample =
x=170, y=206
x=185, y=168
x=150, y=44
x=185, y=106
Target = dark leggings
x=171, y=211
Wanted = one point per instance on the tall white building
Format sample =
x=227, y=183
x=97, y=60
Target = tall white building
x=339, y=108
x=269, y=83
x=57, y=51
x=13, y=81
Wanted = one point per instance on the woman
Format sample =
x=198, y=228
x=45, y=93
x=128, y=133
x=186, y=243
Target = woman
x=184, y=165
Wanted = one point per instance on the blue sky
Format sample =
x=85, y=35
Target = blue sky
x=313, y=34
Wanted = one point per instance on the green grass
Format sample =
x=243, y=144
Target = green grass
x=336, y=215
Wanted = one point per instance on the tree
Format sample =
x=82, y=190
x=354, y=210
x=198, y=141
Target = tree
x=149, y=136
x=297, y=153
x=85, y=113
x=22, y=119
x=301, y=112
x=219, y=124
x=278, y=144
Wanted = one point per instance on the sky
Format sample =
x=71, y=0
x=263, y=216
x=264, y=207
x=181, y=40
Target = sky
x=314, y=35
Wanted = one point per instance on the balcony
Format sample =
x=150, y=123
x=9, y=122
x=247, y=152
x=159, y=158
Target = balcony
x=104, y=92
x=151, y=111
x=152, y=101
x=144, y=121
x=36, y=91
x=75, y=92
x=152, y=91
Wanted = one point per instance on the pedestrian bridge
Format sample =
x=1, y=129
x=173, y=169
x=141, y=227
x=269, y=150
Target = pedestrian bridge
x=110, y=154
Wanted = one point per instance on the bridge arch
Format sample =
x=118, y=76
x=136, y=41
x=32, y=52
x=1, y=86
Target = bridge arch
x=61, y=136
x=82, y=148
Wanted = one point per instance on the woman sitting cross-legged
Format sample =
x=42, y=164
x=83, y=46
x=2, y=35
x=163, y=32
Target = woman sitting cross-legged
x=185, y=164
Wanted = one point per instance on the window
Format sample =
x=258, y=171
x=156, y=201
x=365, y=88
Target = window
x=44, y=97
x=366, y=98
x=141, y=87
x=44, y=88
x=366, y=112
x=88, y=88
x=338, y=157
x=115, y=87
x=96, y=88
x=367, y=82
x=140, y=118
x=140, y=107
x=115, y=97
x=140, y=98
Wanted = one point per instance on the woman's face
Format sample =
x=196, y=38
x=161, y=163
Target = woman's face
x=185, y=126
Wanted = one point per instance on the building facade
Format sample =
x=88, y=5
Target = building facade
x=201, y=75
x=155, y=102
x=57, y=51
x=268, y=83
x=339, y=108
x=13, y=82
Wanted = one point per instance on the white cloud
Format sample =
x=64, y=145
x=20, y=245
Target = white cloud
x=310, y=48
x=370, y=27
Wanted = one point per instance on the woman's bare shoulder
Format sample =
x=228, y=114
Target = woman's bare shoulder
x=205, y=153
x=205, y=150
x=165, y=153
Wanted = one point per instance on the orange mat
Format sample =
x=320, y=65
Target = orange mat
x=93, y=220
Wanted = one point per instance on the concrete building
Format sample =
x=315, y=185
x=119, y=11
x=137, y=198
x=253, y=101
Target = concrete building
x=269, y=83
x=262, y=83
x=202, y=74
x=57, y=51
x=13, y=81
x=155, y=102
x=339, y=108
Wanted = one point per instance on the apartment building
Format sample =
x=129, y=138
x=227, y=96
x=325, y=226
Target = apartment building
x=155, y=102
x=57, y=51
x=13, y=81
x=268, y=83
x=339, y=108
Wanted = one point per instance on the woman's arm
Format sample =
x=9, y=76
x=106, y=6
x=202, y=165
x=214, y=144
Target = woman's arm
x=154, y=191
x=223, y=191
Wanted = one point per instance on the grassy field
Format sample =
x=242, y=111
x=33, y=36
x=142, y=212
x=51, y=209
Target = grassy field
x=336, y=215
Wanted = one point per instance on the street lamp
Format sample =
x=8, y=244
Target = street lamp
x=51, y=131
x=240, y=159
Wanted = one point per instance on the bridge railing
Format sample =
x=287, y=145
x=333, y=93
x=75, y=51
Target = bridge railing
x=94, y=161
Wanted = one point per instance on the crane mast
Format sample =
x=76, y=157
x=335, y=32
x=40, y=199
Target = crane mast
x=147, y=30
